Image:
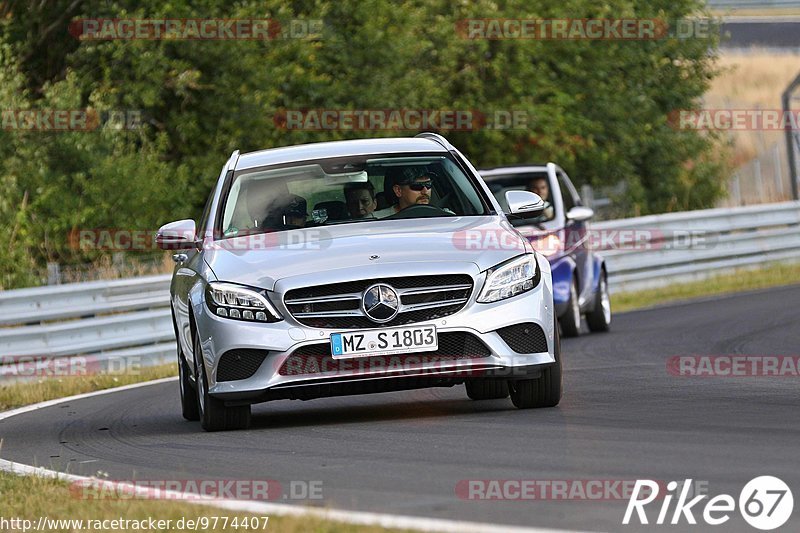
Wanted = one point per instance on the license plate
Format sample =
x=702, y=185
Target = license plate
x=384, y=341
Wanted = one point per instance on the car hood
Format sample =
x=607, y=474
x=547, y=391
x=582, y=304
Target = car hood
x=473, y=243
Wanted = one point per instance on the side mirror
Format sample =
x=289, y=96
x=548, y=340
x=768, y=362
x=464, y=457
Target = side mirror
x=178, y=235
x=524, y=204
x=580, y=213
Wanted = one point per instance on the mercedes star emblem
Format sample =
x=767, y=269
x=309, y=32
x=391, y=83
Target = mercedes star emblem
x=380, y=303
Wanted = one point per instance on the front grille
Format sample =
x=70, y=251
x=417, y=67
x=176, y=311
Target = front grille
x=239, y=364
x=338, y=305
x=524, y=338
x=316, y=358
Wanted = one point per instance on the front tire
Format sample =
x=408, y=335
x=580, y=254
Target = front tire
x=544, y=391
x=214, y=415
x=571, y=321
x=599, y=319
x=486, y=389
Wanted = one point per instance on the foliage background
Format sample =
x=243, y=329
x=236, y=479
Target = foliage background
x=598, y=108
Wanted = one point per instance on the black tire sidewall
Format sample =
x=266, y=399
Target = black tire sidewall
x=568, y=325
x=190, y=409
x=596, y=320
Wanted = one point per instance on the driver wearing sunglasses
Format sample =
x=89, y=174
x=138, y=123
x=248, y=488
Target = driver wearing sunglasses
x=414, y=191
x=406, y=187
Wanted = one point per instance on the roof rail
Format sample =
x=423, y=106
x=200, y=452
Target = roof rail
x=437, y=138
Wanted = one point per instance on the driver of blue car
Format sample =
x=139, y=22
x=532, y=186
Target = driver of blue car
x=541, y=186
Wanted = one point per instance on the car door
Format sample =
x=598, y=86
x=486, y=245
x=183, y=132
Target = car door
x=577, y=243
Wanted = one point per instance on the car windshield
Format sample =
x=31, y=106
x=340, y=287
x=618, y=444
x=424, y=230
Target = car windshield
x=345, y=191
x=537, y=182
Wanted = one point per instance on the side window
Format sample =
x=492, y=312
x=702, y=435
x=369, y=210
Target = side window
x=568, y=195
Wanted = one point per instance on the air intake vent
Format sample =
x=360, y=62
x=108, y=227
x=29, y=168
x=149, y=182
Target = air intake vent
x=239, y=364
x=524, y=338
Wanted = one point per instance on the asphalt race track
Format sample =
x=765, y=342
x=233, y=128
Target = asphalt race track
x=623, y=417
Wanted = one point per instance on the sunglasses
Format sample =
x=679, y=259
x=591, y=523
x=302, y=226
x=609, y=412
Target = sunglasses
x=419, y=185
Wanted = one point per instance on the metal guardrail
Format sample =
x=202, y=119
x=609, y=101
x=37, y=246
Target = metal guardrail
x=98, y=325
x=106, y=321
x=74, y=300
x=691, y=245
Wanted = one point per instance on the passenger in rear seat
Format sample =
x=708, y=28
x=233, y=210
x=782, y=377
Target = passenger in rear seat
x=361, y=200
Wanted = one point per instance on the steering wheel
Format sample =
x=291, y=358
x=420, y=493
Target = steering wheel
x=419, y=211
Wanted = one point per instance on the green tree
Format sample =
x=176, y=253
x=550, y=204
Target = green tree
x=598, y=108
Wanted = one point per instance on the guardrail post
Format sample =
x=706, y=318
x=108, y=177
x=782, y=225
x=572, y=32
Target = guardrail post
x=53, y=274
x=737, y=190
x=776, y=161
x=791, y=135
x=759, y=179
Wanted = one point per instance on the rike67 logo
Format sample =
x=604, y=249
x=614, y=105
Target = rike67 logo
x=765, y=503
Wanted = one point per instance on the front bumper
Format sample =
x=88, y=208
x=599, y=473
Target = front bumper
x=282, y=339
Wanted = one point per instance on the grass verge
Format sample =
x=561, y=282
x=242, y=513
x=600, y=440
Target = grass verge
x=29, y=392
x=29, y=498
x=741, y=280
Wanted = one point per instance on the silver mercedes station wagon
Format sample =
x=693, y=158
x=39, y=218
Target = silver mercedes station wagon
x=357, y=267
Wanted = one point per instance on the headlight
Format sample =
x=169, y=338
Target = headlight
x=549, y=245
x=508, y=279
x=240, y=303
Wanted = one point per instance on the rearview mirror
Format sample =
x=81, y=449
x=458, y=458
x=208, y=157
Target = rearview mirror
x=524, y=204
x=178, y=235
x=580, y=213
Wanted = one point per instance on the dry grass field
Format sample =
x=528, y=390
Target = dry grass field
x=755, y=79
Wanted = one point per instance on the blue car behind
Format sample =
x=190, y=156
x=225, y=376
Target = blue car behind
x=580, y=279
